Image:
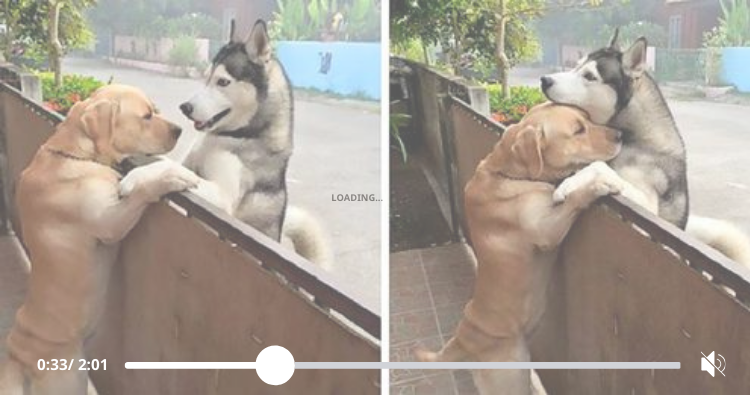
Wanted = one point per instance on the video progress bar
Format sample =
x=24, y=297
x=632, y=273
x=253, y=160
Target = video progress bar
x=417, y=365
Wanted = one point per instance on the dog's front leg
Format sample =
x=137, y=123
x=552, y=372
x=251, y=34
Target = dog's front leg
x=601, y=172
x=111, y=211
x=551, y=222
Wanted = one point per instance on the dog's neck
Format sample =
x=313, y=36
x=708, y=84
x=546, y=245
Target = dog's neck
x=73, y=142
x=658, y=128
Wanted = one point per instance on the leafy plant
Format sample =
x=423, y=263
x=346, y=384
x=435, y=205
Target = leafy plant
x=74, y=89
x=183, y=52
x=349, y=20
x=735, y=22
x=397, y=122
x=289, y=21
x=508, y=111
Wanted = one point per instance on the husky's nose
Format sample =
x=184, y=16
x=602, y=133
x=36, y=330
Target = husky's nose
x=186, y=108
x=547, y=82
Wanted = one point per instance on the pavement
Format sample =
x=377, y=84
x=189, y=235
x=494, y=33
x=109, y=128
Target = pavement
x=337, y=151
x=717, y=139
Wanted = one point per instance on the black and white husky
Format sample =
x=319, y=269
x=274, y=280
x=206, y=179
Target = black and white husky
x=246, y=109
x=614, y=87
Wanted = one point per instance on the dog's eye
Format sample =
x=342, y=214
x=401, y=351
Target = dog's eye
x=589, y=76
x=223, y=82
x=148, y=116
x=580, y=130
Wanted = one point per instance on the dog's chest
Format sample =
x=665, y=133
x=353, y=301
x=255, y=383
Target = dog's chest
x=247, y=160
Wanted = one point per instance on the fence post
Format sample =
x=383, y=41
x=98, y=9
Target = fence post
x=31, y=87
x=4, y=182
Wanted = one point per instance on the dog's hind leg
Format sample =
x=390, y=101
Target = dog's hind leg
x=505, y=381
x=451, y=352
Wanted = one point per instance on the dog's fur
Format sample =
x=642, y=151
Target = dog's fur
x=516, y=228
x=615, y=89
x=72, y=217
x=246, y=110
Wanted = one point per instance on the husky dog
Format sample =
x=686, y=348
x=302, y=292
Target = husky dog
x=615, y=89
x=246, y=110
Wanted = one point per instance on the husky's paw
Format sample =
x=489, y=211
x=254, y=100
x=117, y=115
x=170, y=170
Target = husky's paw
x=592, y=175
x=157, y=179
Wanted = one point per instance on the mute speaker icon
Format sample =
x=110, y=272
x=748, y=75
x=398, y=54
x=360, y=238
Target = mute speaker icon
x=709, y=364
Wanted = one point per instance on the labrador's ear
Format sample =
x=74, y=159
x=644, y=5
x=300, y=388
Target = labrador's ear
x=527, y=149
x=257, y=43
x=98, y=120
x=634, y=59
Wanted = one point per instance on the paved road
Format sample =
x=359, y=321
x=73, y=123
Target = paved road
x=337, y=151
x=717, y=137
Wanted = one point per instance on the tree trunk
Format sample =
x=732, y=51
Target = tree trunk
x=55, y=46
x=503, y=65
x=458, y=48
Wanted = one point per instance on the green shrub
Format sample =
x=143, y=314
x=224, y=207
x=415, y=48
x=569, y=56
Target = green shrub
x=184, y=52
x=74, y=89
x=522, y=98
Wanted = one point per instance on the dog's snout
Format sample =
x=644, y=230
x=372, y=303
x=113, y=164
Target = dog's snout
x=547, y=82
x=186, y=108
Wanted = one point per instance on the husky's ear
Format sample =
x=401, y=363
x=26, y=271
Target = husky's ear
x=634, y=59
x=613, y=41
x=527, y=148
x=232, y=31
x=257, y=43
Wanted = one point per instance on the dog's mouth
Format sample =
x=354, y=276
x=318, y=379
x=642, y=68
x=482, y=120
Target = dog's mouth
x=211, y=122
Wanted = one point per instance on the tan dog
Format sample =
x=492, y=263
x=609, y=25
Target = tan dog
x=515, y=228
x=73, y=216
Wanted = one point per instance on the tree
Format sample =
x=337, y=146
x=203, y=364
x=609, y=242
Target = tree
x=10, y=14
x=463, y=28
x=50, y=26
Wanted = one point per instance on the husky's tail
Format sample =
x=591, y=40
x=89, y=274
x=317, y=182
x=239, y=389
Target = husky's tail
x=721, y=235
x=307, y=236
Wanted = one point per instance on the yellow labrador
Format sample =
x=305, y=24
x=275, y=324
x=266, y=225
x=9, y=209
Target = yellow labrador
x=515, y=228
x=72, y=217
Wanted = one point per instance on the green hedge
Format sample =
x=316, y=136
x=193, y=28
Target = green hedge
x=510, y=111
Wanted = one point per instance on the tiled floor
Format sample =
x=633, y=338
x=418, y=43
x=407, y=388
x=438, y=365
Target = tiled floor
x=429, y=289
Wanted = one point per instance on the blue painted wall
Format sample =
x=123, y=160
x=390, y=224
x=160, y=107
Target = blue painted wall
x=735, y=63
x=345, y=68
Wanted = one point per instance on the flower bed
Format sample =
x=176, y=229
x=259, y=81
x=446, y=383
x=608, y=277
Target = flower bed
x=510, y=111
x=74, y=89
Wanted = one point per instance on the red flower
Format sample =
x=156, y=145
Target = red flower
x=74, y=97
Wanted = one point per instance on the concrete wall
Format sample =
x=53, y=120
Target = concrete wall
x=353, y=69
x=736, y=67
x=154, y=50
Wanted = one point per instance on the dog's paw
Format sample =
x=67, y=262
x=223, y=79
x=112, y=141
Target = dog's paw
x=157, y=179
x=568, y=186
x=176, y=179
x=604, y=187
